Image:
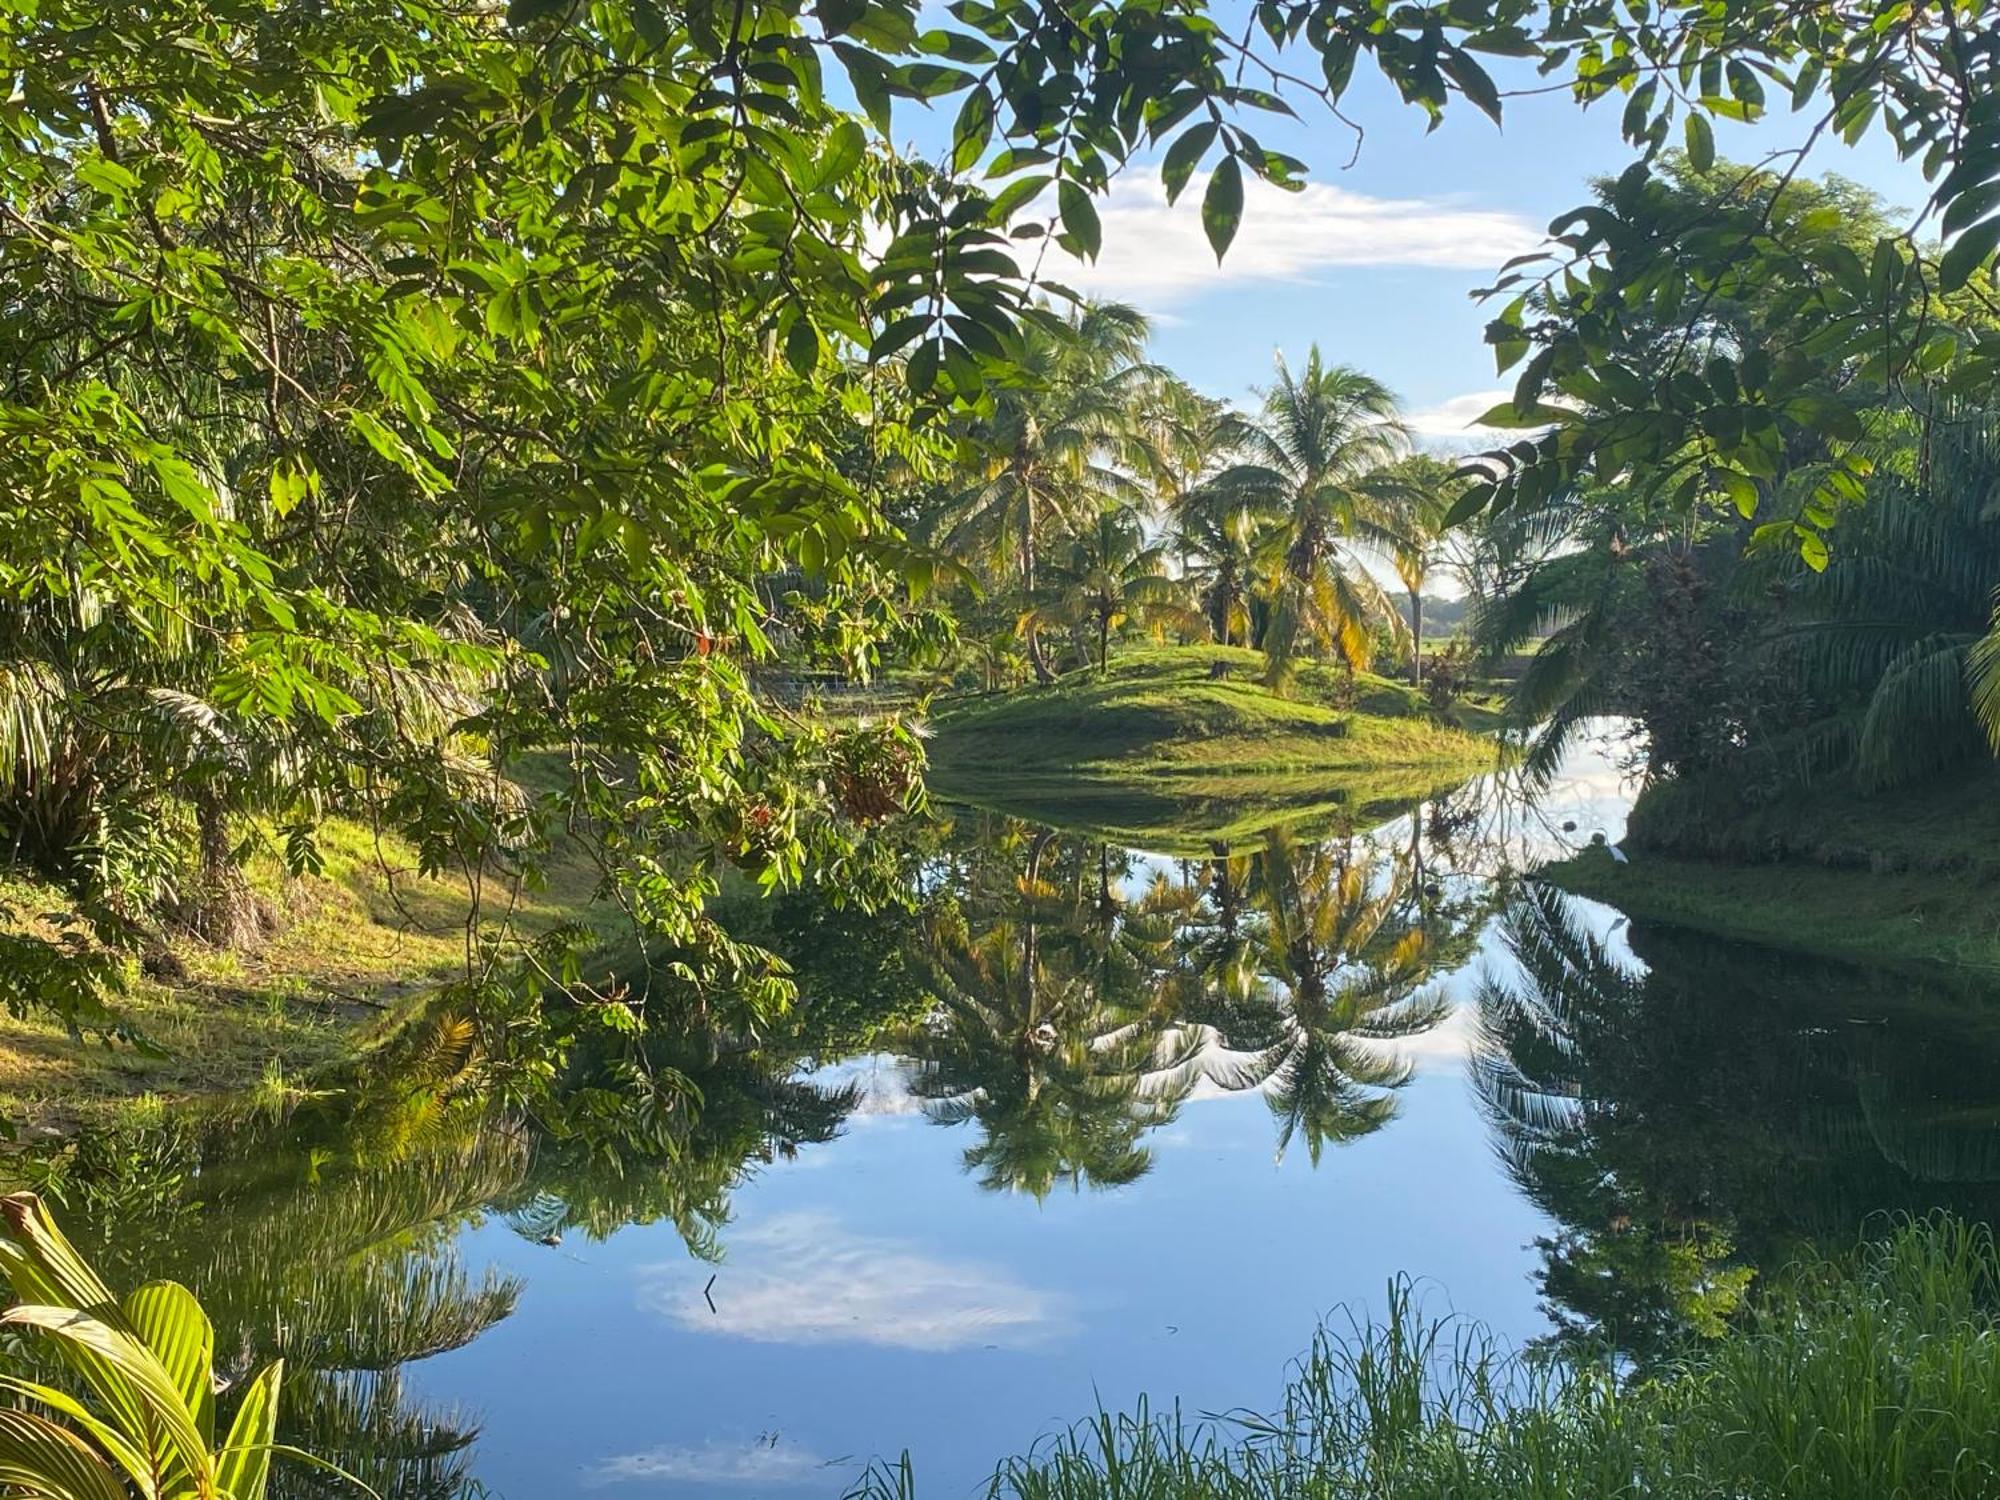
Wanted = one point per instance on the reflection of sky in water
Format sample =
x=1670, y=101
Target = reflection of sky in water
x=962, y=1324
x=872, y=1297
x=807, y=1278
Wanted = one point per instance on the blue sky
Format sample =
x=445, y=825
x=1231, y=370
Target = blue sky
x=1374, y=262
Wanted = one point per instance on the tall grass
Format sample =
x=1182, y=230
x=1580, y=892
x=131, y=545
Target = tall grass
x=1873, y=1378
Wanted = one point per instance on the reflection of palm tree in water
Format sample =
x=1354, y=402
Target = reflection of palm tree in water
x=327, y=1236
x=349, y=1276
x=1688, y=1120
x=1045, y=1035
x=1638, y=1260
x=1074, y=1015
x=1339, y=957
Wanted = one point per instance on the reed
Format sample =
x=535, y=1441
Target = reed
x=1875, y=1375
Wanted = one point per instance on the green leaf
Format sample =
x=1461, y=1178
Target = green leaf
x=846, y=144
x=1184, y=155
x=973, y=130
x=1016, y=193
x=1741, y=490
x=802, y=347
x=898, y=335
x=1222, y=206
x=837, y=16
x=1476, y=498
x=1473, y=81
x=1700, y=141
x=1079, y=217
x=166, y=1315
x=243, y=1465
x=120, y=1367
x=38, y=1457
x=1511, y=418
x=1968, y=253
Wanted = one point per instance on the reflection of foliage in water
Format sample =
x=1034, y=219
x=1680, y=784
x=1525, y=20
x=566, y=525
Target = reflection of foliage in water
x=1081, y=1000
x=1688, y=1121
x=325, y=1232
x=1045, y=1032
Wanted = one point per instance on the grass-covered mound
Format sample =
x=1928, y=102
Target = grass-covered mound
x=1909, y=877
x=1874, y=1377
x=1161, y=751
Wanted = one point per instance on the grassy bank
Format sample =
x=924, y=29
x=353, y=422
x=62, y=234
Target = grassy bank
x=1909, y=878
x=1162, y=751
x=1905, y=920
x=352, y=949
x=1876, y=1377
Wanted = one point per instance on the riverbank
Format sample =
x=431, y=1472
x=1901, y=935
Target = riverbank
x=352, y=951
x=1184, y=746
x=1908, y=878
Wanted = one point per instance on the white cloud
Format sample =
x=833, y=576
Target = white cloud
x=1155, y=253
x=1458, y=417
x=767, y=1461
x=801, y=1278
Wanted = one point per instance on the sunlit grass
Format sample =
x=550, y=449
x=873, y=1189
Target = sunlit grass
x=1876, y=1377
x=1162, y=754
x=354, y=946
x=1913, y=920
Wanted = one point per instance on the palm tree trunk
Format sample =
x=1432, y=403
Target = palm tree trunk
x=1417, y=635
x=1103, y=644
x=1044, y=674
x=1028, y=544
x=224, y=910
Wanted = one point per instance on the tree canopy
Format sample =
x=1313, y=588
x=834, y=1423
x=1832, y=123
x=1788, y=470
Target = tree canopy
x=397, y=391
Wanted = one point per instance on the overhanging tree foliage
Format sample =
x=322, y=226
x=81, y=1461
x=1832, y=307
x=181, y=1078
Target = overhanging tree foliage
x=396, y=390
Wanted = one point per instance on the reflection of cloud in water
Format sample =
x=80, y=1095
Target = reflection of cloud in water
x=1449, y=1043
x=802, y=1278
x=766, y=1461
x=883, y=1083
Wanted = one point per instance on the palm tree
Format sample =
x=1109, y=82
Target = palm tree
x=1416, y=494
x=1223, y=541
x=1899, y=633
x=1885, y=665
x=1312, y=458
x=1108, y=575
x=1051, y=445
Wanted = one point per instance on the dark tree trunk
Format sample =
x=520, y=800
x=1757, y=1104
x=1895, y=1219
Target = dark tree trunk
x=1417, y=636
x=222, y=910
x=1038, y=658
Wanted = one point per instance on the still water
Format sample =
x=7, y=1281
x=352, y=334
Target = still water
x=1170, y=1112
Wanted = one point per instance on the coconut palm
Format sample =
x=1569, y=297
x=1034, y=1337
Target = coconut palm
x=1311, y=459
x=1416, y=494
x=1110, y=574
x=1184, y=440
x=1050, y=450
x=1223, y=543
